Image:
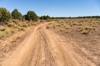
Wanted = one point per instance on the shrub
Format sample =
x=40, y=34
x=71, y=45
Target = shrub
x=16, y=14
x=31, y=15
x=4, y=15
x=45, y=17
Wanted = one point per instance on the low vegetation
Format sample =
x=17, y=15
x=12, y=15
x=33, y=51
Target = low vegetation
x=14, y=26
x=82, y=26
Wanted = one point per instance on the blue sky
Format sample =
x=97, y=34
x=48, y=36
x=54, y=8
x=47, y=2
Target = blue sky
x=55, y=7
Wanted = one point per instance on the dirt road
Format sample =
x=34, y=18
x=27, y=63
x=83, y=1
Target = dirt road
x=43, y=47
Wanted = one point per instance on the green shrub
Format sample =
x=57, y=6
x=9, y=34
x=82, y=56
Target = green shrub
x=45, y=17
x=4, y=15
x=16, y=14
x=31, y=15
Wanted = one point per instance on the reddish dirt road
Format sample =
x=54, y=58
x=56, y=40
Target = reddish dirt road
x=43, y=47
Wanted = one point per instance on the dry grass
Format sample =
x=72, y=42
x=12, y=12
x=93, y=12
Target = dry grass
x=84, y=26
x=14, y=26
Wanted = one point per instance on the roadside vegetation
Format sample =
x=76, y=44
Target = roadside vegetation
x=12, y=22
x=82, y=26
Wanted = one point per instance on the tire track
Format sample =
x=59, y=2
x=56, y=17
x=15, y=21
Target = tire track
x=49, y=59
x=22, y=56
x=62, y=58
x=68, y=55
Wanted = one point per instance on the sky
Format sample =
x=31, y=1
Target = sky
x=57, y=8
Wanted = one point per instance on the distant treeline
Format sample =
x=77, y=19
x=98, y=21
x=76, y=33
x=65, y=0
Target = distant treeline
x=75, y=17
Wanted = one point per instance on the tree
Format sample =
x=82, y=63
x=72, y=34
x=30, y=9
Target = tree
x=16, y=14
x=31, y=15
x=45, y=17
x=4, y=15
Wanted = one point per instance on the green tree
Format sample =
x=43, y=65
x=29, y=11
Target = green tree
x=4, y=15
x=31, y=15
x=45, y=17
x=16, y=14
